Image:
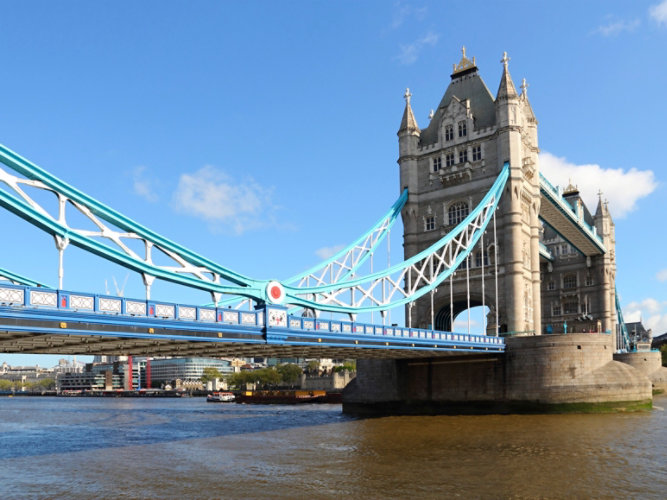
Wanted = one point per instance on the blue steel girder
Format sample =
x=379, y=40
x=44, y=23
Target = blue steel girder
x=34, y=320
x=624, y=337
x=411, y=279
x=189, y=268
x=563, y=218
x=17, y=279
x=346, y=262
x=378, y=291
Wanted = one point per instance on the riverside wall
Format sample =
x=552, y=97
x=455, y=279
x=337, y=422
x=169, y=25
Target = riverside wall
x=546, y=373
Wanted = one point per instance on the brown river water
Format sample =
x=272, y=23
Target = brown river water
x=187, y=448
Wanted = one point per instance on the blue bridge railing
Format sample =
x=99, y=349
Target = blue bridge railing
x=289, y=329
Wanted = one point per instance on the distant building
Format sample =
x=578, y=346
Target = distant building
x=185, y=372
x=640, y=337
x=175, y=372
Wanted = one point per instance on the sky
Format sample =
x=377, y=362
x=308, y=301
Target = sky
x=263, y=134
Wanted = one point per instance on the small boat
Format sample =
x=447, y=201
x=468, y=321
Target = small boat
x=220, y=397
x=282, y=397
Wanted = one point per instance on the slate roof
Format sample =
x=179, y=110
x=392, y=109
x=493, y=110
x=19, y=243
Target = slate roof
x=466, y=86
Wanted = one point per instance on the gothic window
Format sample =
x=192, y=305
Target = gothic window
x=437, y=164
x=476, y=153
x=449, y=159
x=478, y=258
x=551, y=285
x=449, y=132
x=429, y=223
x=569, y=281
x=463, y=130
x=463, y=156
x=564, y=248
x=589, y=280
x=457, y=212
x=571, y=307
x=555, y=309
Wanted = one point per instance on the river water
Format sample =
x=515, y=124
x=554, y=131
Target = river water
x=187, y=448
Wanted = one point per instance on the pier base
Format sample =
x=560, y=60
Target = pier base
x=537, y=374
x=649, y=364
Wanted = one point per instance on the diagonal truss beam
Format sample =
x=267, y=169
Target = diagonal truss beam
x=110, y=239
x=411, y=279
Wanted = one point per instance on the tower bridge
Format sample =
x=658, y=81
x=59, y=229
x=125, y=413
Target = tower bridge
x=482, y=226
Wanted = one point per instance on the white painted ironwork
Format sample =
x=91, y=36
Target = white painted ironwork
x=187, y=312
x=11, y=295
x=135, y=308
x=114, y=306
x=230, y=317
x=81, y=302
x=164, y=311
x=248, y=318
x=207, y=314
x=43, y=298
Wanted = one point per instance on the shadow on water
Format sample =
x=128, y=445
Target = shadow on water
x=42, y=426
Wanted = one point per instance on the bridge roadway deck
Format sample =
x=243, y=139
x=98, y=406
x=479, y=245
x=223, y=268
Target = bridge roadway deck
x=175, y=330
x=564, y=219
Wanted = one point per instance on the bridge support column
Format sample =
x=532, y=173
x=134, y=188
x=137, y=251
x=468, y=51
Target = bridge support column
x=544, y=373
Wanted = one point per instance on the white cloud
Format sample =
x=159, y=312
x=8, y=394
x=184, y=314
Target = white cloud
x=212, y=195
x=662, y=275
x=403, y=11
x=651, y=312
x=142, y=185
x=409, y=53
x=613, y=28
x=623, y=188
x=328, y=252
x=659, y=13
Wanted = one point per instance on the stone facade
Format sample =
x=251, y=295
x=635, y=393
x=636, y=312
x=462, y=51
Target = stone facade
x=448, y=167
x=578, y=293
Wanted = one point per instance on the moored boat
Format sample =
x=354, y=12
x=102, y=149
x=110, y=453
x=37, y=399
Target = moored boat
x=282, y=397
x=220, y=397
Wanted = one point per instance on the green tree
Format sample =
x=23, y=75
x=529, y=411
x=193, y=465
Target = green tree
x=6, y=385
x=663, y=350
x=210, y=374
x=313, y=366
x=289, y=373
x=348, y=366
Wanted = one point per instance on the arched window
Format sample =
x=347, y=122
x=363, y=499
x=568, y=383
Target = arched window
x=457, y=212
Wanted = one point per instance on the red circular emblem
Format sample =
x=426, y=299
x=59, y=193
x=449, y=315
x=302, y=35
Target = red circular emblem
x=275, y=292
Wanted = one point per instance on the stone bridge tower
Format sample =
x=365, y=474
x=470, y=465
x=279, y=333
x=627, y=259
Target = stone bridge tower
x=448, y=167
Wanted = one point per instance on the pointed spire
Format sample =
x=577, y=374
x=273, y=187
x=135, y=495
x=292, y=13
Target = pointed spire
x=506, y=89
x=408, y=123
x=603, y=205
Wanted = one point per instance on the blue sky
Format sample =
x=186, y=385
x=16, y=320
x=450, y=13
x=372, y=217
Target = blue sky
x=263, y=134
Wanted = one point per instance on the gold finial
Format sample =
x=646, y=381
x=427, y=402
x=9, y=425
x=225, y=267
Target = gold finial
x=407, y=96
x=464, y=64
x=571, y=188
